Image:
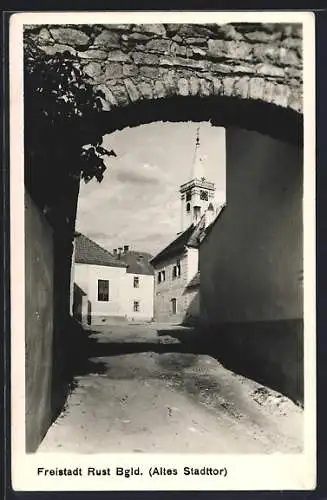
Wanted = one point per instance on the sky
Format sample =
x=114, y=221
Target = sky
x=138, y=201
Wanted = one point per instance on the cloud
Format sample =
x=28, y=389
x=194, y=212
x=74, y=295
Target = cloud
x=136, y=178
x=138, y=201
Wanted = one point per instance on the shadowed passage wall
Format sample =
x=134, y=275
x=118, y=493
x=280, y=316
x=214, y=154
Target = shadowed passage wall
x=38, y=323
x=252, y=262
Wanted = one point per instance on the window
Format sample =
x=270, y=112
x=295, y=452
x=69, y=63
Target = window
x=177, y=270
x=204, y=195
x=188, y=207
x=188, y=196
x=197, y=212
x=136, y=306
x=161, y=276
x=136, y=282
x=103, y=290
x=174, y=306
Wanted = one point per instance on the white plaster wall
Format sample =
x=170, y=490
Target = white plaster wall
x=192, y=263
x=144, y=295
x=87, y=276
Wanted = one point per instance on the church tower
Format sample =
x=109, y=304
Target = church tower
x=198, y=193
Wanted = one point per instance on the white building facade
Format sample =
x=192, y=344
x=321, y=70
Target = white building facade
x=110, y=287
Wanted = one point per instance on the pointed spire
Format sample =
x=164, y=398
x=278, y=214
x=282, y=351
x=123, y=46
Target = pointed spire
x=197, y=166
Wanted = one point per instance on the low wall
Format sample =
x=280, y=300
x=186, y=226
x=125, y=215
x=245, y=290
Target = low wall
x=38, y=323
x=270, y=352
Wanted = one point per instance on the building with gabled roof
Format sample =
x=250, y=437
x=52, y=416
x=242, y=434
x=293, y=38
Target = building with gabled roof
x=177, y=274
x=111, y=286
x=89, y=252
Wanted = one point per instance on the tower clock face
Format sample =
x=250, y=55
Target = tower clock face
x=204, y=195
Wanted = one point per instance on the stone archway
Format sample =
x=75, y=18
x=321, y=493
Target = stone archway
x=246, y=75
x=130, y=63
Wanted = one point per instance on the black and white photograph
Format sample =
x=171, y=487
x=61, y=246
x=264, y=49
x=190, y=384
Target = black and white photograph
x=163, y=226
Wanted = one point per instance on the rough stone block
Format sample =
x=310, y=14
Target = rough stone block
x=113, y=71
x=194, y=85
x=44, y=35
x=217, y=86
x=93, y=69
x=183, y=62
x=172, y=29
x=93, y=54
x=178, y=50
x=154, y=29
x=268, y=91
x=256, y=88
x=196, y=30
x=159, y=90
x=161, y=46
x=106, y=94
x=261, y=36
x=241, y=87
x=231, y=49
x=182, y=87
x=228, y=32
x=118, y=27
x=196, y=40
x=107, y=39
x=105, y=105
x=169, y=82
x=118, y=56
x=289, y=57
x=295, y=100
x=292, y=43
x=145, y=90
x=137, y=37
x=121, y=94
x=149, y=71
x=264, y=52
x=280, y=95
x=132, y=90
x=198, y=51
x=145, y=59
x=205, y=88
x=177, y=39
x=270, y=70
x=228, y=85
x=70, y=36
x=58, y=49
x=221, y=68
x=130, y=70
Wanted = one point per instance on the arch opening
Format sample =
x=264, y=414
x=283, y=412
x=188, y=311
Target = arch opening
x=225, y=111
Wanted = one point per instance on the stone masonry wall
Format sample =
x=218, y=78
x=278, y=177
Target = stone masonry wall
x=128, y=63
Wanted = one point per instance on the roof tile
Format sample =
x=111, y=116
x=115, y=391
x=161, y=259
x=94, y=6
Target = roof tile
x=89, y=252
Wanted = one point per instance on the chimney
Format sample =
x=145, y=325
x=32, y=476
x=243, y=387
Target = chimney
x=126, y=248
x=119, y=252
x=115, y=252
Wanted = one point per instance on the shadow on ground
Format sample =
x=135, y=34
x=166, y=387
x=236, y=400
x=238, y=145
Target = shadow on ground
x=269, y=353
x=239, y=359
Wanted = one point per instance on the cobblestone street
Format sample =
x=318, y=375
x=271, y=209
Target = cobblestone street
x=146, y=390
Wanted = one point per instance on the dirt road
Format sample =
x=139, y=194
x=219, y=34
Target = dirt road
x=143, y=390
